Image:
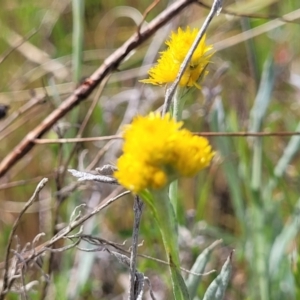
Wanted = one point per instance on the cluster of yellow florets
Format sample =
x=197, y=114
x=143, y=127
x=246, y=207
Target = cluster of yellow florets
x=156, y=150
x=168, y=65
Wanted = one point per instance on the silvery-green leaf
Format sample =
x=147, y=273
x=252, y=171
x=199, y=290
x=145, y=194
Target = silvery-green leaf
x=193, y=281
x=216, y=289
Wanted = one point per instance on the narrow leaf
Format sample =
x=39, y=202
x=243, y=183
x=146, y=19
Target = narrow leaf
x=216, y=289
x=193, y=281
x=263, y=96
x=163, y=213
x=288, y=233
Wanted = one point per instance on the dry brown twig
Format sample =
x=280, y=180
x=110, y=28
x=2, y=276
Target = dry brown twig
x=146, y=12
x=138, y=209
x=23, y=109
x=215, y=10
x=207, y=134
x=76, y=220
x=251, y=15
x=97, y=241
x=110, y=64
x=83, y=125
x=18, y=43
x=6, y=283
x=33, y=138
x=29, y=255
x=60, y=178
x=86, y=88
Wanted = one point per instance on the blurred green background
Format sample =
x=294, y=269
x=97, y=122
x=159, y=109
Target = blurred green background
x=249, y=197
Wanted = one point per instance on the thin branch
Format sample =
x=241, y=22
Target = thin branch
x=96, y=241
x=82, y=127
x=39, y=187
x=66, y=191
x=139, y=277
x=29, y=35
x=245, y=133
x=23, y=288
x=86, y=88
x=76, y=140
x=251, y=15
x=146, y=12
x=256, y=31
x=138, y=209
x=12, y=184
x=216, y=7
x=64, y=248
x=84, y=176
x=93, y=106
x=62, y=234
x=150, y=288
x=23, y=109
x=210, y=133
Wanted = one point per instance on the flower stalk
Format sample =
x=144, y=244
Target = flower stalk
x=163, y=214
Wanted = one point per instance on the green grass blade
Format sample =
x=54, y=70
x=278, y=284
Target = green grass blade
x=263, y=96
x=284, y=238
x=296, y=274
x=260, y=244
x=225, y=147
x=164, y=215
x=257, y=211
x=193, y=281
x=177, y=108
x=216, y=289
x=288, y=154
x=78, y=31
x=257, y=115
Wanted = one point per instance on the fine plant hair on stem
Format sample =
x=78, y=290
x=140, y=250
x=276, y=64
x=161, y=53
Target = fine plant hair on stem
x=6, y=285
x=216, y=7
x=86, y=88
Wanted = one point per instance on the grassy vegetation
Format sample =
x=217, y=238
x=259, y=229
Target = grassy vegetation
x=248, y=197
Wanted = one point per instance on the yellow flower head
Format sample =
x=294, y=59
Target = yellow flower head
x=157, y=150
x=167, y=67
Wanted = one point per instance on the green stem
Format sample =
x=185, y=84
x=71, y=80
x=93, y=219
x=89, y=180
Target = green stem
x=177, y=109
x=173, y=195
x=261, y=250
x=78, y=27
x=178, y=104
x=163, y=213
x=256, y=165
x=258, y=214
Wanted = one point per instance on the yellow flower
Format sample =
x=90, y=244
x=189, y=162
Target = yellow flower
x=157, y=150
x=167, y=67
